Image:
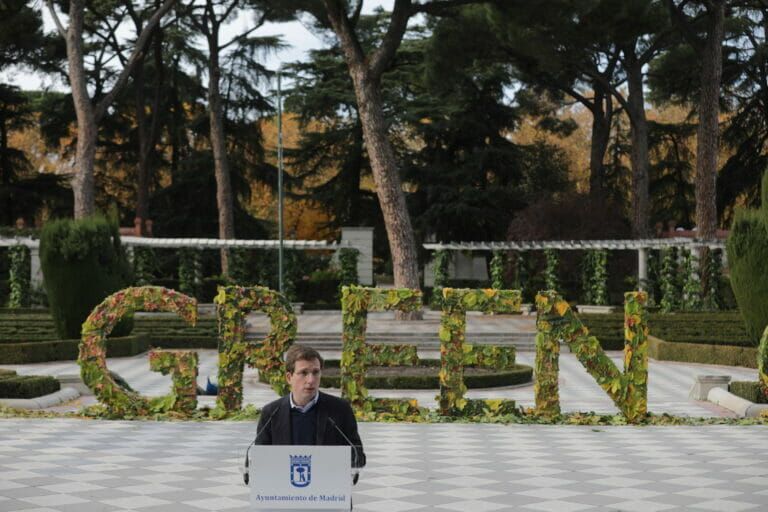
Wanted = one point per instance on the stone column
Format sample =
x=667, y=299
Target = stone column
x=35, y=270
x=362, y=240
x=642, y=269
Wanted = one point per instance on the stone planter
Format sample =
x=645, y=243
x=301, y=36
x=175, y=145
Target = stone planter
x=591, y=309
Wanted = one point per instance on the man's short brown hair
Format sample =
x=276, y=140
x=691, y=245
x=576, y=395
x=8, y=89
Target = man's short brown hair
x=300, y=353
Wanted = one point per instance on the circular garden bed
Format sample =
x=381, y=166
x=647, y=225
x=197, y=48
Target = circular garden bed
x=425, y=376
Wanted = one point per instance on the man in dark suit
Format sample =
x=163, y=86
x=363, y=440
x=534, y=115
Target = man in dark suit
x=305, y=415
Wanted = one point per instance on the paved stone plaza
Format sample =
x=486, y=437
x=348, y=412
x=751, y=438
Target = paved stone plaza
x=84, y=465
x=87, y=466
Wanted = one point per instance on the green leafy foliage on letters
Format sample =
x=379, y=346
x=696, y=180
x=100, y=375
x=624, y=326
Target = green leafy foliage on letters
x=455, y=353
x=356, y=302
x=556, y=321
x=93, y=348
x=233, y=303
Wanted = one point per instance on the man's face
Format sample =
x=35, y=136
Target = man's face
x=304, y=380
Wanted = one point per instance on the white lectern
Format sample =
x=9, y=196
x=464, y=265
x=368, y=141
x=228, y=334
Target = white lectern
x=300, y=478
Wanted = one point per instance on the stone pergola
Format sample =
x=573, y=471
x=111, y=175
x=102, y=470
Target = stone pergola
x=356, y=238
x=642, y=246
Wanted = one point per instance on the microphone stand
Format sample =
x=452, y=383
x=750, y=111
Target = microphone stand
x=355, y=469
x=246, y=464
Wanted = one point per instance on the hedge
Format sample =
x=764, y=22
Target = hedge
x=26, y=386
x=518, y=374
x=66, y=350
x=748, y=390
x=663, y=350
x=720, y=328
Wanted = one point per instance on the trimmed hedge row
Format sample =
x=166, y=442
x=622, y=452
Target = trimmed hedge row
x=36, y=328
x=718, y=328
x=700, y=353
x=748, y=390
x=67, y=350
x=26, y=386
x=519, y=374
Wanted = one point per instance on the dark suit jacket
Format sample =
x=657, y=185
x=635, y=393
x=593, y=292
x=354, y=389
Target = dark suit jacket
x=278, y=431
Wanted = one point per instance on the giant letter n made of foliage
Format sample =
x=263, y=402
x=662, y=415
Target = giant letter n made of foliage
x=556, y=321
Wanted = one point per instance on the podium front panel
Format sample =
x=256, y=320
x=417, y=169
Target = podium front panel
x=300, y=477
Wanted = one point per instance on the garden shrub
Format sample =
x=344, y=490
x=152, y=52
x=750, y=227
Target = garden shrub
x=497, y=270
x=670, y=294
x=144, y=265
x=713, y=269
x=551, y=279
x=748, y=390
x=440, y=261
x=747, y=248
x=515, y=374
x=83, y=262
x=595, y=277
x=26, y=386
x=727, y=355
x=190, y=271
x=691, y=282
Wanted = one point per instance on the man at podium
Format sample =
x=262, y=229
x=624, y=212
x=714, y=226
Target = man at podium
x=307, y=416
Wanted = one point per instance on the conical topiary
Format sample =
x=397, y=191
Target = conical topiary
x=747, y=248
x=83, y=262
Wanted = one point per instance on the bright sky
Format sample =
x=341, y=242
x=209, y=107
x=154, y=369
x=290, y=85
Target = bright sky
x=294, y=34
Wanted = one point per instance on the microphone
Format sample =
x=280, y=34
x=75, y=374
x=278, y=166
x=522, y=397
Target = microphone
x=356, y=458
x=246, y=476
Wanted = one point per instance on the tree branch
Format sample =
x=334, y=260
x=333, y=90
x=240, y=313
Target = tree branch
x=438, y=7
x=382, y=57
x=138, y=49
x=356, y=13
x=682, y=23
x=245, y=34
x=341, y=25
x=56, y=20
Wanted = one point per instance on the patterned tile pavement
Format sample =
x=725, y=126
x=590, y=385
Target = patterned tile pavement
x=79, y=465
x=87, y=466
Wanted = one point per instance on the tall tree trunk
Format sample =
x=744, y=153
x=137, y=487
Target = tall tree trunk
x=366, y=72
x=219, y=145
x=88, y=114
x=5, y=171
x=82, y=182
x=389, y=189
x=601, y=136
x=708, y=132
x=142, y=170
x=148, y=131
x=639, y=153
